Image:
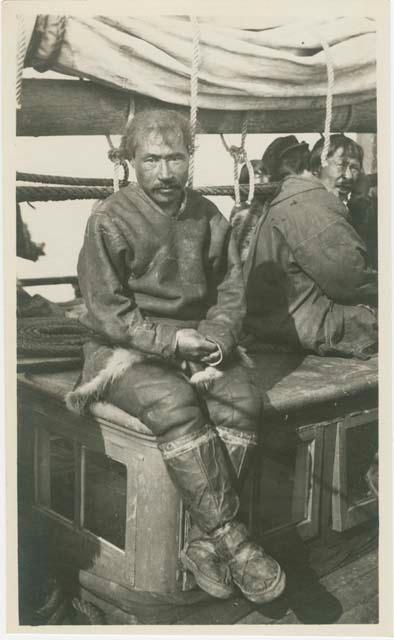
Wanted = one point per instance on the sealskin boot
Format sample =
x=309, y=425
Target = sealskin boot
x=256, y=574
x=198, y=467
x=238, y=447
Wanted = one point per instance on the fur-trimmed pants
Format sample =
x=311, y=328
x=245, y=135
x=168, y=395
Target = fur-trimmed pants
x=163, y=399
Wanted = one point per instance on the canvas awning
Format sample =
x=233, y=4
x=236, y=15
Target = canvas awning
x=275, y=65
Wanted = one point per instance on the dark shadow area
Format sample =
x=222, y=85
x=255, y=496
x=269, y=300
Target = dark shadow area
x=51, y=549
x=306, y=600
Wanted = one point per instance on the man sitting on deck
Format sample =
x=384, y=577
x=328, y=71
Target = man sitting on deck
x=163, y=287
x=309, y=284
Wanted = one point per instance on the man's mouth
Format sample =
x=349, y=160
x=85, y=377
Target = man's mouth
x=344, y=186
x=167, y=188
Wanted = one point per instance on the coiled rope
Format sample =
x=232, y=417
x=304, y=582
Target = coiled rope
x=45, y=193
x=20, y=59
x=239, y=156
x=196, y=58
x=51, y=336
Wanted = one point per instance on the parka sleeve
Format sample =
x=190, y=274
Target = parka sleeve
x=224, y=318
x=332, y=253
x=111, y=308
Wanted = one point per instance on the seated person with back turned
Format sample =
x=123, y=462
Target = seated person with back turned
x=309, y=284
x=163, y=286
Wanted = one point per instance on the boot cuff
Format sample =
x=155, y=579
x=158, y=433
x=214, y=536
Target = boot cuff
x=187, y=443
x=234, y=436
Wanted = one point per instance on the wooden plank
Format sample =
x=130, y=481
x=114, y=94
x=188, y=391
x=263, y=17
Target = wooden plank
x=38, y=282
x=366, y=612
x=344, y=514
x=223, y=612
x=326, y=480
x=72, y=107
x=48, y=364
x=343, y=589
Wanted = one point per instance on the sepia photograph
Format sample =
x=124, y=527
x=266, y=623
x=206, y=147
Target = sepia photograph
x=198, y=245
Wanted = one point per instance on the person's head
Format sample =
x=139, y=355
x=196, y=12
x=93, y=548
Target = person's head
x=158, y=144
x=285, y=156
x=259, y=176
x=344, y=164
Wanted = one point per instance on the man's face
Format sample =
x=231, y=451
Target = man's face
x=341, y=173
x=161, y=167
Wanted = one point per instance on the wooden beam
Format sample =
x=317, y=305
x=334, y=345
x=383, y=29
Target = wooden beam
x=79, y=107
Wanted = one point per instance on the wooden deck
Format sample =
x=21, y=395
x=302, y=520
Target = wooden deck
x=348, y=595
x=330, y=582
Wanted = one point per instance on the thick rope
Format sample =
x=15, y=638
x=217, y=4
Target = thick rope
x=67, y=180
x=20, y=59
x=58, y=193
x=330, y=91
x=247, y=161
x=234, y=153
x=194, y=95
x=239, y=156
x=113, y=155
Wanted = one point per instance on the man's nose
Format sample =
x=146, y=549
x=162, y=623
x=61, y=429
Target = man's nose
x=164, y=170
x=347, y=173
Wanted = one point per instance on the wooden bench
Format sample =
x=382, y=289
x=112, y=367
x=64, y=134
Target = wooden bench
x=101, y=492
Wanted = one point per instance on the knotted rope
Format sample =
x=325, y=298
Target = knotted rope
x=196, y=57
x=115, y=155
x=239, y=156
x=20, y=59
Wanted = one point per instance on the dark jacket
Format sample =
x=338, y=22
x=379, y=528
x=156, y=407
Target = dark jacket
x=144, y=274
x=308, y=282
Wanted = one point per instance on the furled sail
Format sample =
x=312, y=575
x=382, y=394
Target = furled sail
x=269, y=65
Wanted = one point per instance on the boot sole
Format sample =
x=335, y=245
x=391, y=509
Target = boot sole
x=268, y=595
x=205, y=583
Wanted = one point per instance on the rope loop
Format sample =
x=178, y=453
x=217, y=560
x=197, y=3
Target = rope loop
x=329, y=99
x=114, y=154
x=240, y=156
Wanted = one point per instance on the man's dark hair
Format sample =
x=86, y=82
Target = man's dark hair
x=285, y=156
x=293, y=161
x=166, y=122
x=337, y=141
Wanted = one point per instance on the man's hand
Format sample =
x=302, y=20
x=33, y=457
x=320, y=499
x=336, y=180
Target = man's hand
x=191, y=345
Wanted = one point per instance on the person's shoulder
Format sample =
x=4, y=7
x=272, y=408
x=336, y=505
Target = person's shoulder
x=205, y=207
x=111, y=208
